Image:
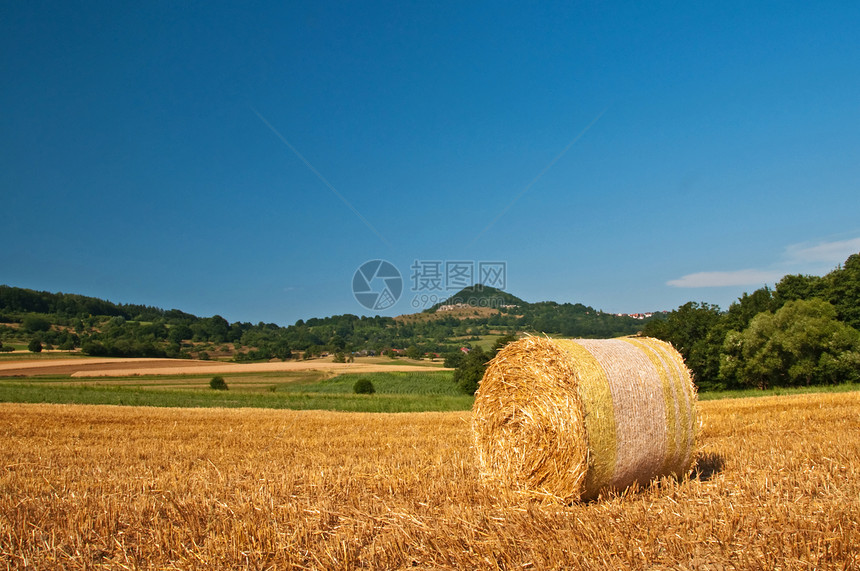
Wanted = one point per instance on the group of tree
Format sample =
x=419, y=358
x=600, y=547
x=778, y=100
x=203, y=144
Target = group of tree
x=804, y=331
x=104, y=328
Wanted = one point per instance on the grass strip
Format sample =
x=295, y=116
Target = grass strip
x=28, y=393
x=396, y=382
x=779, y=391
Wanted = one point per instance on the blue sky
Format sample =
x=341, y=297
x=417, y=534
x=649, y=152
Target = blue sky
x=245, y=159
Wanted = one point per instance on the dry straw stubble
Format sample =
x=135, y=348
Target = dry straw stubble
x=99, y=487
x=568, y=419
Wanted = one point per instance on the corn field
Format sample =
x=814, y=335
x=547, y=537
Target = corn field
x=777, y=486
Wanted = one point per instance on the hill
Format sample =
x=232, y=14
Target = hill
x=479, y=296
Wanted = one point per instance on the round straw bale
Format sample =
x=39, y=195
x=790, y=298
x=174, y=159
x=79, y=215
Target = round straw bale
x=568, y=419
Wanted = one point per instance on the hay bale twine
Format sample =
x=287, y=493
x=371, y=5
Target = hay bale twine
x=567, y=419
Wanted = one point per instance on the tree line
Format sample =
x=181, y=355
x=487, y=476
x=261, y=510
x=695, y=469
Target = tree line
x=802, y=332
x=103, y=328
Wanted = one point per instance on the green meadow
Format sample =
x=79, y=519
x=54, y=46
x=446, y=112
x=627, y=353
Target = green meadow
x=394, y=391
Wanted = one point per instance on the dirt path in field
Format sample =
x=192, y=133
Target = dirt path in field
x=86, y=367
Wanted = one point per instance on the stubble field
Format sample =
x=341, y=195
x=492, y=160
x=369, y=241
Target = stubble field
x=85, y=487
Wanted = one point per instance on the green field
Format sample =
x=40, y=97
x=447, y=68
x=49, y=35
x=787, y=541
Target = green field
x=303, y=390
x=298, y=390
x=44, y=355
x=439, y=383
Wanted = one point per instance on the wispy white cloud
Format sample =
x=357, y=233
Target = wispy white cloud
x=723, y=279
x=830, y=252
x=797, y=258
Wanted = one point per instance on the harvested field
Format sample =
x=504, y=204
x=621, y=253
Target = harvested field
x=81, y=487
x=126, y=367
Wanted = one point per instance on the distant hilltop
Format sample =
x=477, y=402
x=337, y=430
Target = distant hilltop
x=479, y=296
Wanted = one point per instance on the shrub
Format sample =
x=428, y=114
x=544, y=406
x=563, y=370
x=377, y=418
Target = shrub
x=35, y=323
x=218, y=384
x=35, y=346
x=363, y=387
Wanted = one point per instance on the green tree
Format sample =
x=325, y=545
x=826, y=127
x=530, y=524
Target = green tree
x=803, y=343
x=797, y=286
x=747, y=306
x=843, y=290
x=68, y=344
x=179, y=333
x=337, y=343
x=217, y=329
x=453, y=359
x=471, y=370
x=35, y=346
x=281, y=350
